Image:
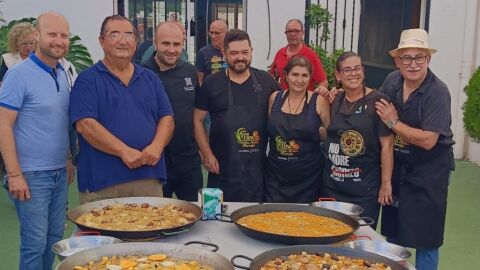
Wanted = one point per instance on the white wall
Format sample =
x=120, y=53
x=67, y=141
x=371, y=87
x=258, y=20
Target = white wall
x=454, y=32
x=257, y=26
x=85, y=16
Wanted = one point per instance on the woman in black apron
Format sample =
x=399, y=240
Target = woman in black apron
x=359, y=146
x=294, y=166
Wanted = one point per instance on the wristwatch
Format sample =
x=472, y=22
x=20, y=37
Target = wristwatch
x=391, y=123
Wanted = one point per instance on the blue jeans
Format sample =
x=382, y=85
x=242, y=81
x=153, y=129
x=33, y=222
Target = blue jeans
x=42, y=217
x=427, y=259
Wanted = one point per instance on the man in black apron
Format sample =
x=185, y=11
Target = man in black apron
x=184, y=174
x=420, y=117
x=237, y=101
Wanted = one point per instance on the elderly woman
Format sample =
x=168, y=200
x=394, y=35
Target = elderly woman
x=297, y=121
x=359, y=145
x=21, y=41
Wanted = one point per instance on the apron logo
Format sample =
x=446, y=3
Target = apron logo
x=340, y=171
x=285, y=148
x=216, y=64
x=188, y=85
x=245, y=139
x=399, y=141
x=352, y=143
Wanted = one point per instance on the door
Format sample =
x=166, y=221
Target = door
x=381, y=23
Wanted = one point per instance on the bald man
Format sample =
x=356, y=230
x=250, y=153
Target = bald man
x=210, y=57
x=150, y=51
x=34, y=100
x=184, y=175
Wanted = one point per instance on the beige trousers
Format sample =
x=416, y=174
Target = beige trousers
x=136, y=188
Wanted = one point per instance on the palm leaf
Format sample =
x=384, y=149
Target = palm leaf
x=78, y=54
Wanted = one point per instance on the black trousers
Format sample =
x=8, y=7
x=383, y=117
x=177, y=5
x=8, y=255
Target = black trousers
x=184, y=178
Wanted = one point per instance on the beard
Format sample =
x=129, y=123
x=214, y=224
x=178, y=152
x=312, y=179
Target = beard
x=50, y=51
x=167, y=62
x=239, y=66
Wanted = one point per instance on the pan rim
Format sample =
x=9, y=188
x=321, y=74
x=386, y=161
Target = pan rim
x=302, y=248
x=289, y=238
x=126, y=200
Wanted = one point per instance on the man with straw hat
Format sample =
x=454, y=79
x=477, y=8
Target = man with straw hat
x=419, y=114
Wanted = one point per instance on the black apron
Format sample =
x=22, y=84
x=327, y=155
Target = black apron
x=295, y=162
x=420, y=182
x=239, y=141
x=352, y=172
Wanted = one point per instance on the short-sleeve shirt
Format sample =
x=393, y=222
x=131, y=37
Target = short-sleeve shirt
x=281, y=59
x=434, y=110
x=180, y=85
x=129, y=112
x=209, y=60
x=213, y=97
x=40, y=95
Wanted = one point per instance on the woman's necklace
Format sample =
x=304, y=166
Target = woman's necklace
x=347, y=110
x=298, y=106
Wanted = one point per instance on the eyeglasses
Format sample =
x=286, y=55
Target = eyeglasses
x=347, y=71
x=295, y=32
x=407, y=59
x=116, y=36
x=28, y=43
x=214, y=33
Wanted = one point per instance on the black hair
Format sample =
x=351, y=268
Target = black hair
x=338, y=65
x=345, y=56
x=235, y=35
x=298, y=61
x=115, y=17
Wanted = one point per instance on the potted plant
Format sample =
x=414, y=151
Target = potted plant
x=319, y=19
x=471, y=119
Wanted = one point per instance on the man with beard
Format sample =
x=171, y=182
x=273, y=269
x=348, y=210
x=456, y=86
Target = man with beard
x=34, y=100
x=123, y=118
x=420, y=116
x=184, y=175
x=237, y=101
x=294, y=32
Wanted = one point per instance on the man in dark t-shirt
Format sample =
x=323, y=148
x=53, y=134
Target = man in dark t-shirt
x=420, y=116
x=237, y=100
x=184, y=175
x=210, y=57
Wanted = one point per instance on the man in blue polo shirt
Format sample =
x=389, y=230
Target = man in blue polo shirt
x=123, y=118
x=34, y=102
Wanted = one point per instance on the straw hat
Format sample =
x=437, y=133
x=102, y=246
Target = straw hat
x=413, y=38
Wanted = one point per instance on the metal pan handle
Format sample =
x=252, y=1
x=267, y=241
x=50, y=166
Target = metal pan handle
x=163, y=234
x=326, y=199
x=220, y=217
x=355, y=237
x=368, y=221
x=82, y=233
x=101, y=199
x=243, y=257
x=215, y=247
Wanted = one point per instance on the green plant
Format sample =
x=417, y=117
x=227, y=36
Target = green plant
x=471, y=107
x=78, y=54
x=328, y=62
x=319, y=18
